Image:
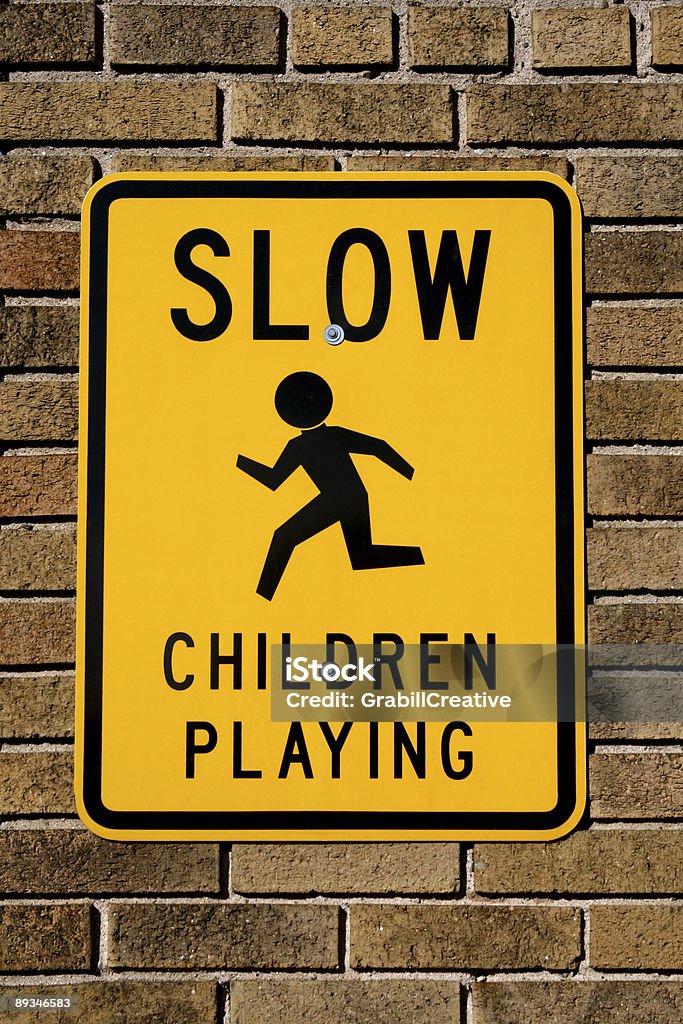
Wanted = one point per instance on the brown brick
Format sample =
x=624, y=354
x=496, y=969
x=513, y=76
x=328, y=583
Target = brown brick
x=604, y=861
x=181, y=34
x=346, y=868
x=638, y=937
x=38, y=485
x=40, y=261
x=635, y=335
x=36, y=706
x=630, y=186
x=577, y=1002
x=337, y=1001
x=632, y=410
x=618, y=732
x=636, y=705
x=73, y=861
x=636, y=622
x=117, y=111
x=36, y=336
x=38, y=410
x=633, y=787
x=43, y=185
x=246, y=162
x=457, y=937
x=457, y=37
x=427, y=162
x=634, y=485
x=636, y=702
x=44, y=938
x=347, y=36
x=667, y=37
x=223, y=936
x=577, y=112
x=37, y=631
x=124, y=1002
x=47, y=33
x=634, y=262
x=37, y=559
x=36, y=782
x=322, y=112
x=655, y=622
x=633, y=558
x=582, y=37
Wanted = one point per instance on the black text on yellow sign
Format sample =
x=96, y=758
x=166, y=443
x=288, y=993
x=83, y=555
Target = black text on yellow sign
x=325, y=409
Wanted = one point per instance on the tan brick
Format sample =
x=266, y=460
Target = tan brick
x=222, y=936
x=73, y=861
x=41, y=261
x=638, y=937
x=38, y=410
x=633, y=787
x=346, y=868
x=247, y=162
x=118, y=111
x=630, y=186
x=577, y=1002
x=322, y=112
x=181, y=34
x=44, y=938
x=124, y=1002
x=43, y=185
x=37, y=631
x=36, y=706
x=47, y=33
x=638, y=262
x=458, y=37
x=633, y=485
x=37, y=559
x=427, y=162
x=38, y=485
x=337, y=1001
x=457, y=937
x=656, y=622
x=36, y=782
x=347, y=36
x=582, y=37
x=576, y=112
x=606, y=861
x=633, y=558
x=634, y=335
x=630, y=410
x=667, y=37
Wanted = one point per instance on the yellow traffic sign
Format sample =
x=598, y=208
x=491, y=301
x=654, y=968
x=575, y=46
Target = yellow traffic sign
x=330, y=463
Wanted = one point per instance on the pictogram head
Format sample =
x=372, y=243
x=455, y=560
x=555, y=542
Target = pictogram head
x=303, y=399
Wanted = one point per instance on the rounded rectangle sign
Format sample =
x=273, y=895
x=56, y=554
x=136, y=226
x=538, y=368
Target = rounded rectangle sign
x=337, y=413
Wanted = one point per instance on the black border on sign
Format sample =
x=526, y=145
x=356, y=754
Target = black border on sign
x=272, y=821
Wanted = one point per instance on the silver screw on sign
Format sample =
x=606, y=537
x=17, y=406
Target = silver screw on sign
x=334, y=334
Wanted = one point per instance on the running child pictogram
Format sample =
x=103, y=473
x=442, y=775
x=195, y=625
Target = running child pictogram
x=304, y=400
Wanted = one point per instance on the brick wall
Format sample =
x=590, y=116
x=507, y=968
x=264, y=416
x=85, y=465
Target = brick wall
x=587, y=929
